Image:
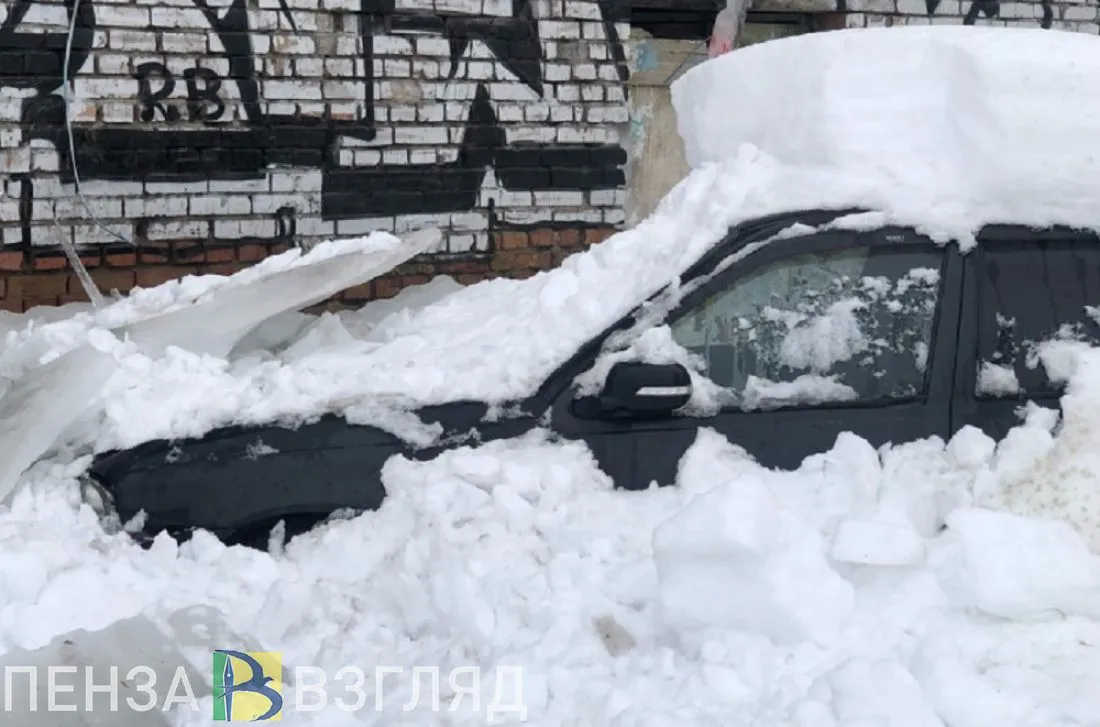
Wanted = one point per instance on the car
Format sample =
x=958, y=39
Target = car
x=881, y=332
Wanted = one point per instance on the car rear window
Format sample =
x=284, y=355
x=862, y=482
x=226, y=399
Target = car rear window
x=1030, y=292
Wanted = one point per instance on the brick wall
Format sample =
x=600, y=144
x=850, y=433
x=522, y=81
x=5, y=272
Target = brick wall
x=45, y=278
x=208, y=133
x=1071, y=15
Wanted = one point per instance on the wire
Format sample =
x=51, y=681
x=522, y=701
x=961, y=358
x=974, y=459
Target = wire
x=70, y=249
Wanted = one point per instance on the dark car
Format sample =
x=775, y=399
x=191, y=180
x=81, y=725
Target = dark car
x=777, y=331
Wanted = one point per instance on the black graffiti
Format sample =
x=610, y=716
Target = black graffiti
x=397, y=189
x=215, y=151
x=988, y=8
x=992, y=9
x=35, y=60
x=152, y=101
x=286, y=224
x=514, y=41
x=199, y=98
x=232, y=29
x=26, y=211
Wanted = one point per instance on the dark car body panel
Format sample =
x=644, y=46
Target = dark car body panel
x=236, y=477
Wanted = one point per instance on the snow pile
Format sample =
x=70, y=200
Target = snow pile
x=883, y=624
x=929, y=112
x=863, y=588
x=866, y=587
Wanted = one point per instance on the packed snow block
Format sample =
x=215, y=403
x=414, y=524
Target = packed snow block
x=967, y=92
x=1017, y=567
x=133, y=656
x=867, y=542
x=734, y=559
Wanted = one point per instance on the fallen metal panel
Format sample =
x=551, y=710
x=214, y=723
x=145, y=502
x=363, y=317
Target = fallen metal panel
x=43, y=404
x=38, y=408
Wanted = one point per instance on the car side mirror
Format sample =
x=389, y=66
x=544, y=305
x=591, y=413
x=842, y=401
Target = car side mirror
x=635, y=389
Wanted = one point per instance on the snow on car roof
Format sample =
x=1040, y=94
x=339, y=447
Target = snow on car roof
x=951, y=127
x=945, y=129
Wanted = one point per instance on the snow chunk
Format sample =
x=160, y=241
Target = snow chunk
x=519, y=552
x=805, y=389
x=997, y=380
x=971, y=447
x=912, y=124
x=733, y=558
x=1016, y=567
x=378, y=318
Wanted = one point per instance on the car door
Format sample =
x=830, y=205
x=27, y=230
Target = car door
x=807, y=337
x=1021, y=287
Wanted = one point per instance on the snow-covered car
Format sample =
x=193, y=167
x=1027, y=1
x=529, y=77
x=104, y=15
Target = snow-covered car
x=882, y=333
x=876, y=251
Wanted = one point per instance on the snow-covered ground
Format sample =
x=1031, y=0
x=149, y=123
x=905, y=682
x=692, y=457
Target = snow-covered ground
x=930, y=584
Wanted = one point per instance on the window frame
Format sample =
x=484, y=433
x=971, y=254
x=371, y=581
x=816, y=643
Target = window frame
x=824, y=241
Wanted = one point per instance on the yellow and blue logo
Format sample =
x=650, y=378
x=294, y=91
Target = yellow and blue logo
x=248, y=686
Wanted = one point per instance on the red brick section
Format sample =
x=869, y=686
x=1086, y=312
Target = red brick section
x=47, y=279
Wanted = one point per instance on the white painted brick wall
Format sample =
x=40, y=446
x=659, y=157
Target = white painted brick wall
x=1068, y=15
x=314, y=74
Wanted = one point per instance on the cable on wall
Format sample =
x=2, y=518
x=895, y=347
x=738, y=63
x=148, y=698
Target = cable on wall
x=70, y=249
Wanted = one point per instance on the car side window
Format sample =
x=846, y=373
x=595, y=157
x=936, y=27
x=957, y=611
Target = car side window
x=1030, y=292
x=850, y=325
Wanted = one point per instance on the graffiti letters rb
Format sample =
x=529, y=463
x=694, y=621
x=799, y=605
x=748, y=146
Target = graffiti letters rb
x=156, y=83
